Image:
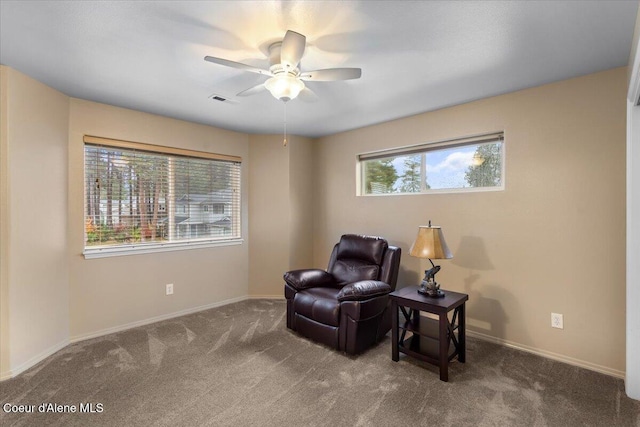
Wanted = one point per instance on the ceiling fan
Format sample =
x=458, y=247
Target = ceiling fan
x=286, y=80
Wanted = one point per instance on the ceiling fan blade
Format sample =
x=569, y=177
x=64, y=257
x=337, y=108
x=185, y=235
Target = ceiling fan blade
x=292, y=49
x=239, y=65
x=307, y=95
x=331, y=74
x=252, y=90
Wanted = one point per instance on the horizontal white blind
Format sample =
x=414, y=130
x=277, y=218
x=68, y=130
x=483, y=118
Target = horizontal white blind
x=422, y=148
x=136, y=195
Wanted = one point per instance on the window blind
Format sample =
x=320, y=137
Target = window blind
x=141, y=194
x=431, y=146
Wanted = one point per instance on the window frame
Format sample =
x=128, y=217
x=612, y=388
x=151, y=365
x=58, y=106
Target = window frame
x=422, y=148
x=101, y=251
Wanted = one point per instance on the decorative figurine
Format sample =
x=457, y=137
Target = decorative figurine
x=428, y=286
x=430, y=274
x=432, y=288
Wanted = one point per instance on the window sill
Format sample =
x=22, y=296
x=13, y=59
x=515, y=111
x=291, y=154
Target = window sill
x=438, y=191
x=151, y=248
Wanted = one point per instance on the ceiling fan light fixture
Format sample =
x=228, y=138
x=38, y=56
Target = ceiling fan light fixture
x=284, y=86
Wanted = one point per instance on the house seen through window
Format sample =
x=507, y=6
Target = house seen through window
x=137, y=196
x=462, y=164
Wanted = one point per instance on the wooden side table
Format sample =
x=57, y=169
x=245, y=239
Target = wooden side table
x=429, y=339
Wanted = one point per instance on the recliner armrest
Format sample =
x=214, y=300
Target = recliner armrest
x=363, y=290
x=309, y=278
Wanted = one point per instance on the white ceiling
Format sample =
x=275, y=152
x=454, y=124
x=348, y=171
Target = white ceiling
x=415, y=56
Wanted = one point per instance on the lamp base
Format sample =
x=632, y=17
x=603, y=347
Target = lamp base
x=437, y=294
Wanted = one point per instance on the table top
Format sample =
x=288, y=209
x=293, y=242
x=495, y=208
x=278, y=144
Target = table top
x=409, y=296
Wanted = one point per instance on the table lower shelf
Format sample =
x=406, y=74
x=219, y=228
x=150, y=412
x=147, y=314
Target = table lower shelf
x=425, y=349
x=425, y=327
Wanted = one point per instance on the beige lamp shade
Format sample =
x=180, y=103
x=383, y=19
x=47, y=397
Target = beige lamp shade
x=430, y=244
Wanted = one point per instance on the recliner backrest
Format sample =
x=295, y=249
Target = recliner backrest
x=357, y=258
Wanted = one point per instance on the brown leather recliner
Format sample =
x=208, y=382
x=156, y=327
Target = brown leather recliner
x=346, y=307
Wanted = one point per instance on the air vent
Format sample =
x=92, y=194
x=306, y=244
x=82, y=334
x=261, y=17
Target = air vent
x=219, y=97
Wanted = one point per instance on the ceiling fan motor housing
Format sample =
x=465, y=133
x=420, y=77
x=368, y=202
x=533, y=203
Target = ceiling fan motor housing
x=275, y=61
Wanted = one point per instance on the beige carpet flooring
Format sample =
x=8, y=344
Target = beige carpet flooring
x=238, y=365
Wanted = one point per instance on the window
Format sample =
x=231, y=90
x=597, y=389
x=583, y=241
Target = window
x=218, y=209
x=468, y=164
x=141, y=197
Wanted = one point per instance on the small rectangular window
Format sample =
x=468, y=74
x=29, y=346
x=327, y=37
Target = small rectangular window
x=139, y=195
x=455, y=165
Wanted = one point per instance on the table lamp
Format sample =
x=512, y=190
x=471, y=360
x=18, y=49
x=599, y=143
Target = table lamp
x=430, y=244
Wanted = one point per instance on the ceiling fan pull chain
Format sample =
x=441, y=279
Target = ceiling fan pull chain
x=284, y=143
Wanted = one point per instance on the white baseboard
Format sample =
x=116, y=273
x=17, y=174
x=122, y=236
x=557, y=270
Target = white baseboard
x=34, y=360
x=119, y=328
x=279, y=296
x=549, y=355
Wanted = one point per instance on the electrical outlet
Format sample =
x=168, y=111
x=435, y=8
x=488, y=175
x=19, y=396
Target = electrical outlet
x=170, y=289
x=556, y=321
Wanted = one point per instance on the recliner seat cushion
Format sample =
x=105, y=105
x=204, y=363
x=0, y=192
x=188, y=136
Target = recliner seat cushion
x=319, y=304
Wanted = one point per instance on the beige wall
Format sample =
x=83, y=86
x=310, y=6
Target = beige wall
x=269, y=214
x=301, y=199
x=107, y=293
x=35, y=279
x=280, y=220
x=552, y=241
